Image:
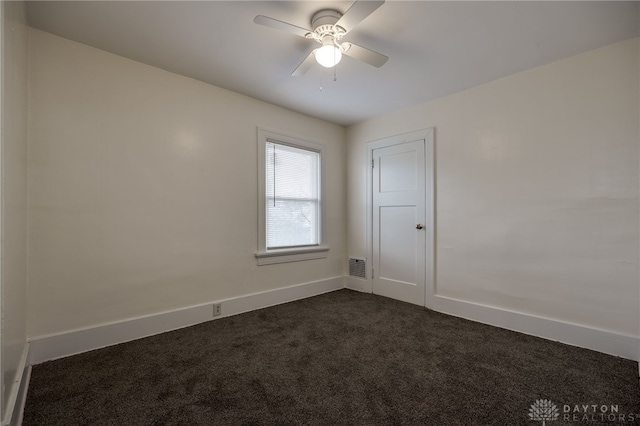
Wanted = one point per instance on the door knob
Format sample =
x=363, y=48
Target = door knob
x=419, y=226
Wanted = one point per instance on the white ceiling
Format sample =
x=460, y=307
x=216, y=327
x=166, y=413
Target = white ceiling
x=435, y=48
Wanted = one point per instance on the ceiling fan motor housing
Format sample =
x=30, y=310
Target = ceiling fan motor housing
x=323, y=23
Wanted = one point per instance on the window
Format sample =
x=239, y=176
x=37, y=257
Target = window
x=293, y=196
x=290, y=199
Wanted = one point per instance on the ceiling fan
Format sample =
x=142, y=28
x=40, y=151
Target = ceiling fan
x=329, y=27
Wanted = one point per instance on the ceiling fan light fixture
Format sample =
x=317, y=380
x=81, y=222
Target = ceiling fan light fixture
x=329, y=55
x=328, y=28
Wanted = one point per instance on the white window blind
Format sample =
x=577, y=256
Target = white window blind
x=292, y=181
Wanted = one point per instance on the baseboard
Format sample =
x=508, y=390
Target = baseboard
x=18, y=413
x=50, y=347
x=45, y=348
x=622, y=345
x=357, y=284
x=18, y=395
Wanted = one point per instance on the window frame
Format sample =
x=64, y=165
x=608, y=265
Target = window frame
x=267, y=256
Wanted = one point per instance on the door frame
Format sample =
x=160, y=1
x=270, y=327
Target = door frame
x=428, y=136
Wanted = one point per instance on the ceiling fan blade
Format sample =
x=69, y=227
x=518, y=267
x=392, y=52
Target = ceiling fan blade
x=279, y=25
x=305, y=64
x=365, y=55
x=357, y=13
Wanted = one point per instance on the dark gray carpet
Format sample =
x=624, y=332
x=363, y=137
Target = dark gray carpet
x=343, y=358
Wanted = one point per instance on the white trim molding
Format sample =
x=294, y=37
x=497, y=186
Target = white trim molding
x=358, y=284
x=45, y=348
x=54, y=346
x=605, y=341
x=18, y=395
x=295, y=255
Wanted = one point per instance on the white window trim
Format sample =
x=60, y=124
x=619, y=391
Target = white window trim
x=265, y=256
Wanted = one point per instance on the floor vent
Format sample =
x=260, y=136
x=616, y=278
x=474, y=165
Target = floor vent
x=357, y=268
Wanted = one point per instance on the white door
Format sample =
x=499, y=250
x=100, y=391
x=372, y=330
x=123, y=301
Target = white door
x=398, y=221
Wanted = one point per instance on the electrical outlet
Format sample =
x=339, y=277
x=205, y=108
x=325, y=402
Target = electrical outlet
x=217, y=309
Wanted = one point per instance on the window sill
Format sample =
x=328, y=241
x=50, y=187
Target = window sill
x=291, y=255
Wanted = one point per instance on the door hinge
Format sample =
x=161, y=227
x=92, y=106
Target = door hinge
x=372, y=271
x=372, y=163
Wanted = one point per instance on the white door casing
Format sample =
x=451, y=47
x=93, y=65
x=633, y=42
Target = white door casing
x=400, y=221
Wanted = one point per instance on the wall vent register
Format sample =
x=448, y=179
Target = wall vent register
x=357, y=268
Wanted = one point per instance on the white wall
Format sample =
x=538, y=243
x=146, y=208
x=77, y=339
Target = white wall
x=536, y=188
x=143, y=190
x=14, y=198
